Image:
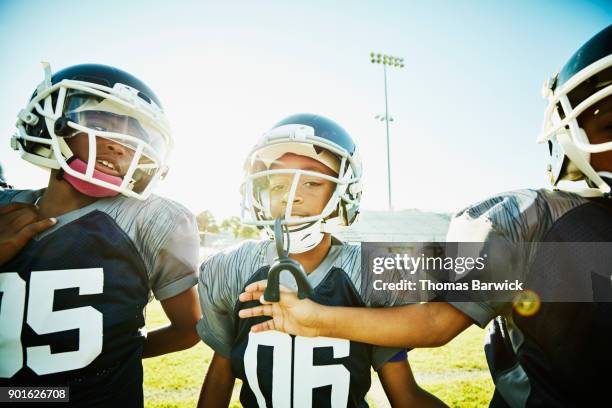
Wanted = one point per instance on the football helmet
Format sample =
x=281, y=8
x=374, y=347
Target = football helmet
x=585, y=80
x=318, y=138
x=101, y=102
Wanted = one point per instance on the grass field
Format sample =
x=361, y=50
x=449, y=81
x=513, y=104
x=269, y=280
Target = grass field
x=456, y=373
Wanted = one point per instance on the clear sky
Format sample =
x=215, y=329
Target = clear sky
x=467, y=105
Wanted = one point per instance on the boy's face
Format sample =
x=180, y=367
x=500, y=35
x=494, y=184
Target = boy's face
x=312, y=192
x=597, y=123
x=116, y=156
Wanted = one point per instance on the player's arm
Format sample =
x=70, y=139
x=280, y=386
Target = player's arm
x=402, y=389
x=174, y=240
x=218, y=384
x=183, y=311
x=417, y=325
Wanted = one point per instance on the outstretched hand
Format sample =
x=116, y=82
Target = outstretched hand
x=290, y=315
x=19, y=223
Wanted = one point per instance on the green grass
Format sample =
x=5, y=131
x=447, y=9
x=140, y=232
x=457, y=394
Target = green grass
x=174, y=380
x=456, y=373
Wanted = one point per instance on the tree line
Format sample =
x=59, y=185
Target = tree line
x=208, y=224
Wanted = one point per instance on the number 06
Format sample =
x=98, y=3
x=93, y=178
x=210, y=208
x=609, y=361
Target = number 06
x=306, y=376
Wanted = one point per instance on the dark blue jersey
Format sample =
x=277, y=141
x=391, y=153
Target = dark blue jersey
x=72, y=301
x=277, y=369
x=559, y=356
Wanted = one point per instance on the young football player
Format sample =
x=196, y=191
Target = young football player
x=80, y=258
x=558, y=355
x=306, y=170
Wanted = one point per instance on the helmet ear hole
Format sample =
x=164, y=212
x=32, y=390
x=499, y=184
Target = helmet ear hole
x=37, y=130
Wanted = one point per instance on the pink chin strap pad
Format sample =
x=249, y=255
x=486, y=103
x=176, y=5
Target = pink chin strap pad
x=87, y=188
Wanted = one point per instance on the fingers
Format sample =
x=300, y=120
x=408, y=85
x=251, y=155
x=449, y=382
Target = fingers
x=249, y=296
x=15, y=235
x=255, y=291
x=33, y=229
x=261, y=285
x=265, y=326
x=262, y=310
x=5, y=209
x=20, y=218
x=18, y=215
x=258, y=286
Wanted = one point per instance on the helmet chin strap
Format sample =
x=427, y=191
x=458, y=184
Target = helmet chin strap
x=304, y=237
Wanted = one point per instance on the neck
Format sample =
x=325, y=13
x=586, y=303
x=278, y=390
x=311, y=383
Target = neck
x=310, y=260
x=60, y=198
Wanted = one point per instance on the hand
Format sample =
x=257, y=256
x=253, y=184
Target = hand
x=290, y=315
x=19, y=222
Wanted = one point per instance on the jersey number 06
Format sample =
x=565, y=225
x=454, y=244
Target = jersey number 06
x=306, y=376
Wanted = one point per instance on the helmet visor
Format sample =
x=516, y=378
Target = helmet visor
x=298, y=196
x=108, y=117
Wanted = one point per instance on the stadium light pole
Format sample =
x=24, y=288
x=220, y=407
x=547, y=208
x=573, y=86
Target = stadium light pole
x=397, y=62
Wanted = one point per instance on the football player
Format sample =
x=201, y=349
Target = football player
x=80, y=258
x=307, y=171
x=557, y=355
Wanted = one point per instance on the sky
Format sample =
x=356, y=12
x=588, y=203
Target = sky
x=467, y=105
